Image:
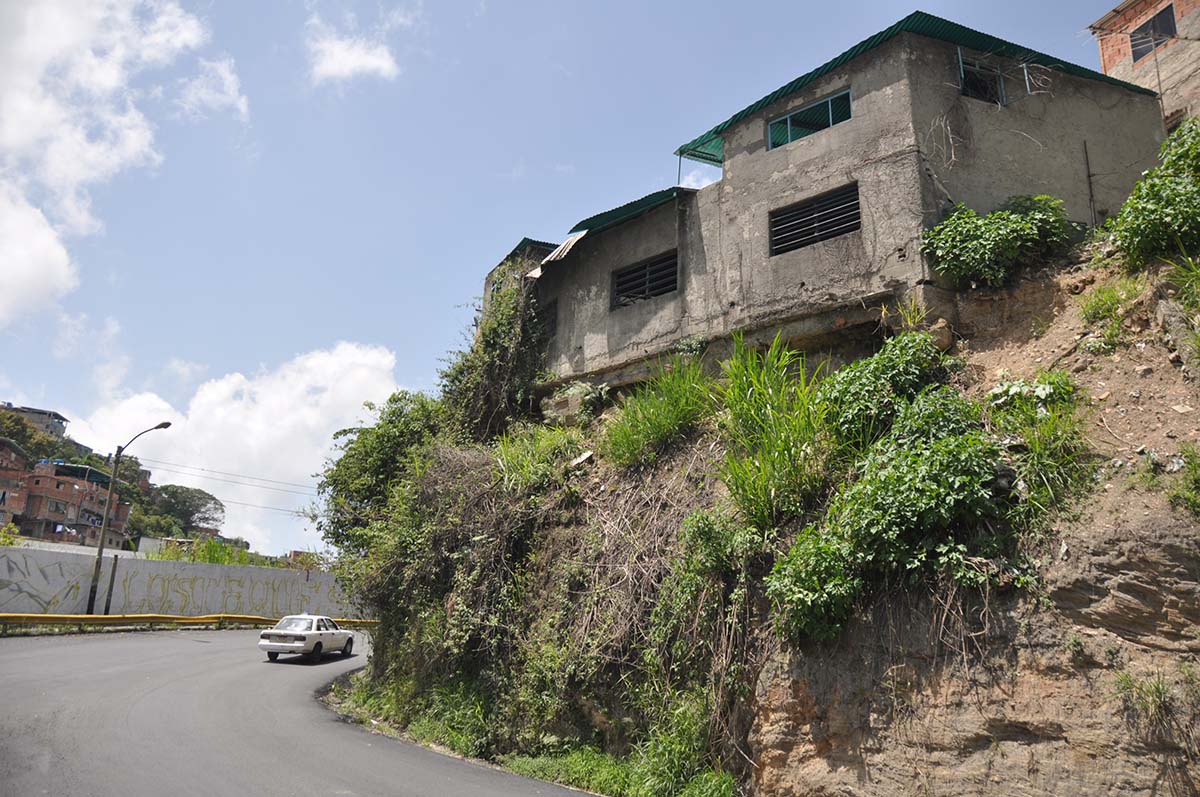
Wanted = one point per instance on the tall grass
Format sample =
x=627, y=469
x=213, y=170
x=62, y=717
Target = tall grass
x=659, y=412
x=211, y=552
x=779, y=445
x=1104, y=308
x=530, y=457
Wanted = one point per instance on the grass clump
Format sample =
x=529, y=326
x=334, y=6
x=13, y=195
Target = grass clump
x=1104, y=308
x=581, y=767
x=531, y=457
x=659, y=413
x=1162, y=213
x=1185, y=491
x=968, y=247
x=776, y=426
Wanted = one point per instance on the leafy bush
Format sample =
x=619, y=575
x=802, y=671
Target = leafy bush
x=776, y=426
x=530, y=457
x=862, y=397
x=1162, y=214
x=9, y=534
x=658, y=413
x=968, y=247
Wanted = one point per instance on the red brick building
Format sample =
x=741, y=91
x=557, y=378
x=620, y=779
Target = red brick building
x=14, y=465
x=66, y=503
x=1155, y=44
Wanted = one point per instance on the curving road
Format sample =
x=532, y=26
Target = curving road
x=201, y=713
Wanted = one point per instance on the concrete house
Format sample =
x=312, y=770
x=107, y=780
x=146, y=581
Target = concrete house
x=827, y=184
x=1155, y=44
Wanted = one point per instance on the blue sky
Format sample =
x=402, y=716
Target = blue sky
x=250, y=218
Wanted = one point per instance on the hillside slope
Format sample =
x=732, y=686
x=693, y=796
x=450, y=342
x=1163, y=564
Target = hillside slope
x=1085, y=686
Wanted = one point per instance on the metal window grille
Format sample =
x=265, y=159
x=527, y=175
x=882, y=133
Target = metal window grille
x=655, y=277
x=1147, y=37
x=814, y=220
x=808, y=120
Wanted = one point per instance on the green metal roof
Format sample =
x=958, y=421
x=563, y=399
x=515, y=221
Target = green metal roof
x=709, y=148
x=610, y=218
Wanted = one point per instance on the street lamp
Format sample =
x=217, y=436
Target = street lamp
x=112, y=480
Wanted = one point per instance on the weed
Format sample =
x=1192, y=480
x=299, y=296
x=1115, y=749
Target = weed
x=530, y=457
x=1113, y=657
x=1104, y=308
x=1040, y=326
x=1149, y=705
x=591, y=399
x=1185, y=276
x=911, y=312
x=9, y=534
x=581, y=767
x=779, y=447
x=659, y=413
x=1185, y=490
x=1075, y=649
x=673, y=752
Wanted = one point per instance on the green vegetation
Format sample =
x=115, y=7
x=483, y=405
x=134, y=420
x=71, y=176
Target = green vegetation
x=1104, y=309
x=212, y=552
x=1162, y=215
x=779, y=443
x=658, y=413
x=599, y=625
x=1185, y=490
x=968, y=247
x=8, y=534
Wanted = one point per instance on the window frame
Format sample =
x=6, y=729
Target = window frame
x=615, y=303
x=1155, y=42
x=993, y=72
x=827, y=100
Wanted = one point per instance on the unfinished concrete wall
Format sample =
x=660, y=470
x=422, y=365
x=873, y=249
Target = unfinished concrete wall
x=52, y=582
x=981, y=153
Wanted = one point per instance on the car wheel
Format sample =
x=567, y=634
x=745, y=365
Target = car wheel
x=272, y=656
x=348, y=647
x=316, y=652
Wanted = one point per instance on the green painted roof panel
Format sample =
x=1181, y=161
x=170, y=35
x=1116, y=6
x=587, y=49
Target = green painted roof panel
x=611, y=218
x=709, y=148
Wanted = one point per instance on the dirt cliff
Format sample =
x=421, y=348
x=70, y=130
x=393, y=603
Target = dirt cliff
x=1085, y=687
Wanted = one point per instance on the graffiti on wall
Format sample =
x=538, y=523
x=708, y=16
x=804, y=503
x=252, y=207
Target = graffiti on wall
x=44, y=582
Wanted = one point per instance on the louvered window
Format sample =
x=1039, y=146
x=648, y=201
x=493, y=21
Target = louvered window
x=814, y=220
x=654, y=277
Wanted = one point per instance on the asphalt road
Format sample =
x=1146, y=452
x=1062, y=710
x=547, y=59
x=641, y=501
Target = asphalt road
x=204, y=713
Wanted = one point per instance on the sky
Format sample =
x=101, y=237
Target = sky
x=250, y=219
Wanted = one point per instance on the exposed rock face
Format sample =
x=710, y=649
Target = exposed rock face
x=1021, y=700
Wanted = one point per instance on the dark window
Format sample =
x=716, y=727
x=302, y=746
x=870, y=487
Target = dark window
x=819, y=219
x=982, y=83
x=654, y=277
x=809, y=120
x=1155, y=31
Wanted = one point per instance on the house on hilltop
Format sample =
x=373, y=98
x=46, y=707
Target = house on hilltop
x=1155, y=44
x=827, y=184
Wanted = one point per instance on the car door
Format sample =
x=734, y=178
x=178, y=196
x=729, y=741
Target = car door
x=340, y=634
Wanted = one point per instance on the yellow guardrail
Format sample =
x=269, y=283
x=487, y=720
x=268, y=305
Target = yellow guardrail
x=7, y=619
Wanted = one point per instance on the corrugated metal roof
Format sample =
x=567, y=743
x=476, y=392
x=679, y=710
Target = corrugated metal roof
x=709, y=148
x=627, y=211
x=562, y=250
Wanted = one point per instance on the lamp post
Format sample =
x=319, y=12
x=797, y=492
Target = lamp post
x=112, y=481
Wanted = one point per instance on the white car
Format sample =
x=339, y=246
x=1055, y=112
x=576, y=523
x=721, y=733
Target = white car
x=308, y=634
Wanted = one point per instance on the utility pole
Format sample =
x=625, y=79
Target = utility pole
x=112, y=483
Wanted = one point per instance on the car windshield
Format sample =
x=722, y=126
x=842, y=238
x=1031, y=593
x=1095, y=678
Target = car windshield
x=294, y=624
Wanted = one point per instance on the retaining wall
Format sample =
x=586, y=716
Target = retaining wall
x=45, y=582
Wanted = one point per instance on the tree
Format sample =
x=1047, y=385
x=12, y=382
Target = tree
x=190, y=507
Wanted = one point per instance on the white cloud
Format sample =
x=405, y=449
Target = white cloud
x=339, y=55
x=185, y=371
x=36, y=268
x=216, y=88
x=698, y=178
x=69, y=120
x=275, y=424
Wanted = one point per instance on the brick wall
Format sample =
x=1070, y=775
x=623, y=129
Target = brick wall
x=1113, y=41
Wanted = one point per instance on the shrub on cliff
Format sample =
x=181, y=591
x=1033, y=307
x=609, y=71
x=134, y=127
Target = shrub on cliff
x=658, y=413
x=1162, y=213
x=968, y=247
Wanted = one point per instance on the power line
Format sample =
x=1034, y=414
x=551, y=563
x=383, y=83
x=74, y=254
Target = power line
x=296, y=512
x=312, y=492
x=226, y=473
